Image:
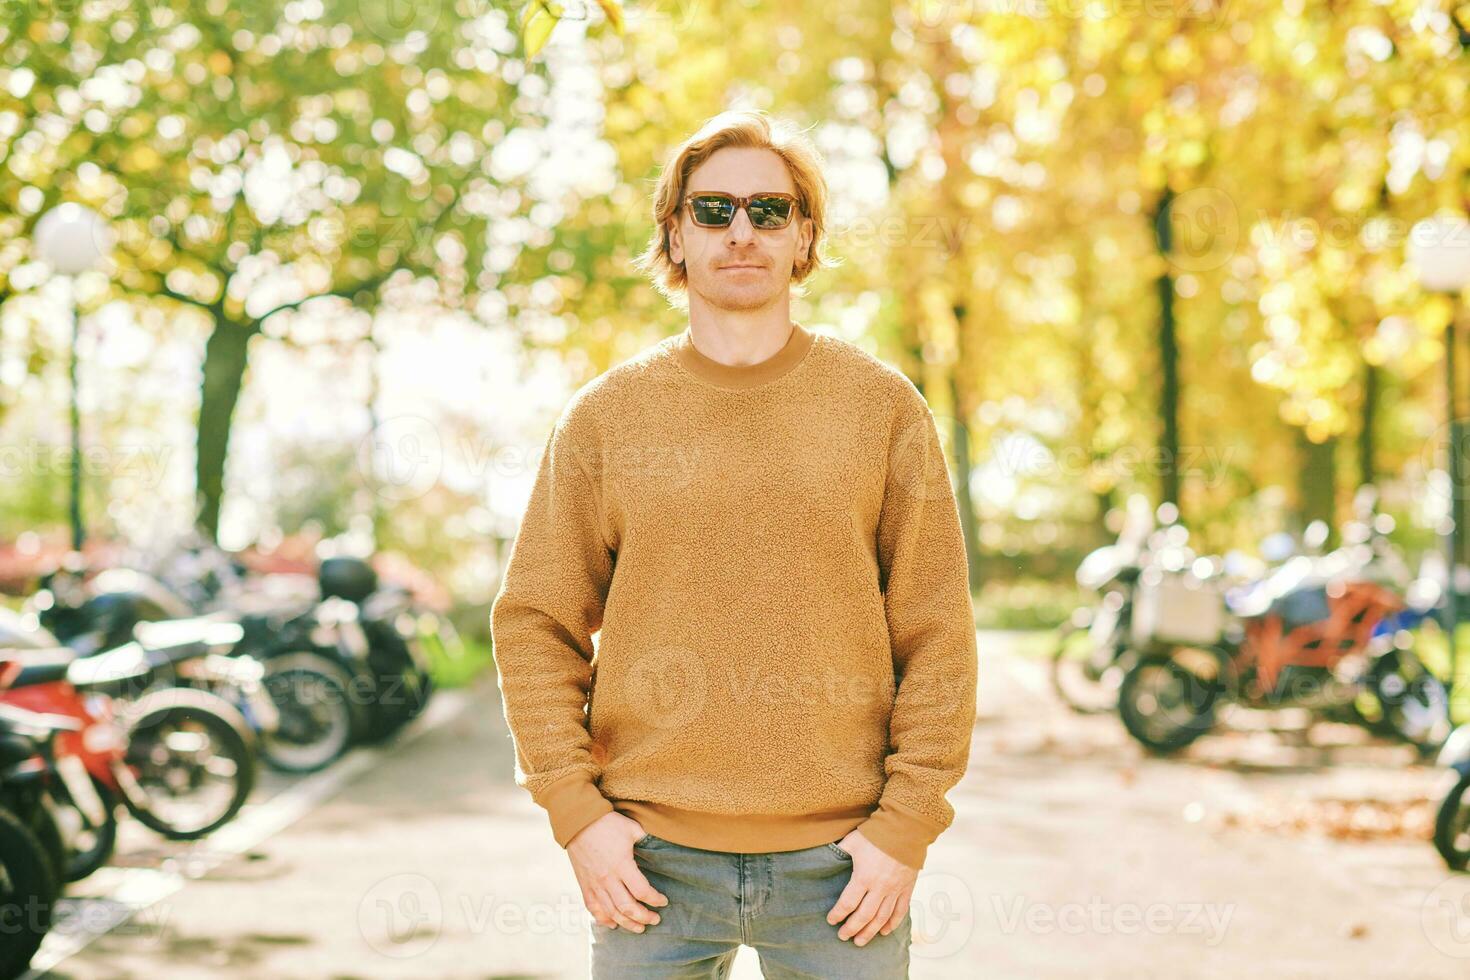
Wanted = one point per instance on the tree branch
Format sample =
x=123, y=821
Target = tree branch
x=345, y=292
x=162, y=289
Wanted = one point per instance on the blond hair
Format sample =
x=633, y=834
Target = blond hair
x=738, y=128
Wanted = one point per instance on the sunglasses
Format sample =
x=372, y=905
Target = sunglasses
x=767, y=211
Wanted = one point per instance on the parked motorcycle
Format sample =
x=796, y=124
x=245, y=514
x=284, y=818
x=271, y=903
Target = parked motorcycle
x=99, y=613
x=33, y=850
x=180, y=759
x=344, y=665
x=1452, y=822
x=343, y=668
x=1085, y=669
x=116, y=605
x=1312, y=634
x=315, y=673
x=1095, y=647
x=396, y=632
x=374, y=630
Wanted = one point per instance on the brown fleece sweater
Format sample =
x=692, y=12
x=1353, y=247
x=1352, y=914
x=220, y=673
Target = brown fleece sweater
x=772, y=553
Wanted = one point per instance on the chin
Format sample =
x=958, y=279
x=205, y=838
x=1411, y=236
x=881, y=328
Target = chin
x=741, y=300
x=751, y=297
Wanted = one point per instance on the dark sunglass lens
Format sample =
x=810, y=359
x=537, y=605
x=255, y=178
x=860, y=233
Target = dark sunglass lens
x=770, y=212
x=712, y=210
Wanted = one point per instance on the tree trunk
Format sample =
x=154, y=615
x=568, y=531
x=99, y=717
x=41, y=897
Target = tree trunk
x=1316, y=482
x=914, y=345
x=1168, y=359
x=1371, y=379
x=964, y=466
x=225, y=358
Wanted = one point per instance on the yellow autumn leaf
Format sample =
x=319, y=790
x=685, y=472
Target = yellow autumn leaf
x=556, y=10
x=613, y=10
x=537, y=23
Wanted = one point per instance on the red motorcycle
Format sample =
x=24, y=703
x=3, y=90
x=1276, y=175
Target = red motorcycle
x=33, y=849
x=181, y=760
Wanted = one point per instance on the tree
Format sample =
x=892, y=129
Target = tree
x=257, y=160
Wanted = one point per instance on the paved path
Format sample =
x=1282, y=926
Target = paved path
x=1072, y=856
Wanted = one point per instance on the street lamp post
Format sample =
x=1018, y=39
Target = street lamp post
x=71, y=239
x=1439, y=247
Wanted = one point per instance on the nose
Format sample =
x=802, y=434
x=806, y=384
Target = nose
x=740, y=229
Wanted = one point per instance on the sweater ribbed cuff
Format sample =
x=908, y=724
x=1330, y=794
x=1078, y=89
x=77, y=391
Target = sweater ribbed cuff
x=572, y=803
x=901, y=833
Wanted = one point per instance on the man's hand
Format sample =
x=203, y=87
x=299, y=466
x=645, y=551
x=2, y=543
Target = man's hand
x=613, y=889
x=879, y=890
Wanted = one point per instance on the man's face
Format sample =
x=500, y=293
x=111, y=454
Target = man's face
x=739, y=267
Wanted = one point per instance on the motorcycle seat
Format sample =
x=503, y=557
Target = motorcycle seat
x=40, y=666
x=1302, y=607
x=215, y=629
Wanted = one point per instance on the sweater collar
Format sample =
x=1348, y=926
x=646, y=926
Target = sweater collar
x=703, y=366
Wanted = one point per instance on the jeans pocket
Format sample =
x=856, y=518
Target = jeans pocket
x=645, y=840
x=839, y=852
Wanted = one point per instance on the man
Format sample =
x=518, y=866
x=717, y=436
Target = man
x=759, y=521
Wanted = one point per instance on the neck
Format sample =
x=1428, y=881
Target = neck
x=739, y=337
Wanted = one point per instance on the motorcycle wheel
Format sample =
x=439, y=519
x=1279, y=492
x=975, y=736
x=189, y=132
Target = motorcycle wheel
x=361, y=685
x=1164, y=706
x=1075, y=677
x=41, y=819
x=28, y=891
x=311, y=694
x=176, y=738
x=1452, y=827
x=92, y=846
x=1414, y=705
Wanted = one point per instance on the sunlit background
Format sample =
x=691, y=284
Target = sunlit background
x=392, y=228
x=334, y=267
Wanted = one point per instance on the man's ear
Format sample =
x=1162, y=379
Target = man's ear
x=676, y=247
x=804, y=243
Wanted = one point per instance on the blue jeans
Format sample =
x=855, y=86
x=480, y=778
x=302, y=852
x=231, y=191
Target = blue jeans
x=776, y=903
